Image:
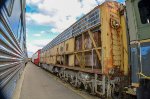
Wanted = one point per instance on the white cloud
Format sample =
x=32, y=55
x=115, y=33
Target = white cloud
x=27, y=31
x=42, y=32
x=60, y=14
x=32, y=48
x=39, y=18
x=53, y=30
x=27, y=35
x=33, y=2
x=37, y=35
x=35, y=45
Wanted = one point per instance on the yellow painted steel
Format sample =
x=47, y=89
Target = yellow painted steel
x=55, y=50
x=53, y=60
x=61, y=48
x=135, y=85
x=142, y=41
x=144, y=76
x=71, y=60
x=125, y=46
x=69, y=45
x=106, y=39
x=131, y=91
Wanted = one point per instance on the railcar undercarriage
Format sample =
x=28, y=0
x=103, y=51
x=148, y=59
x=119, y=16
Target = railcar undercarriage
x=95, y=84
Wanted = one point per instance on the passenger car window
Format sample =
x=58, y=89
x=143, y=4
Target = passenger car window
x=144, y=10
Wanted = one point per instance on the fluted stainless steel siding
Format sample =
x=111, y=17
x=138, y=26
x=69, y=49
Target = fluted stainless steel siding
x=13, y=51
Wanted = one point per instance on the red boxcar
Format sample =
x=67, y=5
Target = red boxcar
x=36, y=57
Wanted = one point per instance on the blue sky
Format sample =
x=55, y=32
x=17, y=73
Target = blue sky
x=45, y=19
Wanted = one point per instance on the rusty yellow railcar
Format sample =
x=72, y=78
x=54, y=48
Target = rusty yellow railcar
x=92, y=52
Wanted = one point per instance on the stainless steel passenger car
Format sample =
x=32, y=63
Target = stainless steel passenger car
x=13, y=51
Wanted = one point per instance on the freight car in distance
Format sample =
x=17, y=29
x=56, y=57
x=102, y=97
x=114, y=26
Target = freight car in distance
x=91, y=53
x=36, y=57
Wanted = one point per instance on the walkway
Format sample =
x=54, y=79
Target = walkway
x=38, y=84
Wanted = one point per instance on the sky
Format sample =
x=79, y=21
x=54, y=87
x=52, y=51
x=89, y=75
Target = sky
x=45, y=19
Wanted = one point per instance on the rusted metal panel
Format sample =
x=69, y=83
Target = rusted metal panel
x=78, y=43
x=91, y=59
x=94, y=44
x=78, y=59
x=13, y=51
x=112, y=34
x=87, y=41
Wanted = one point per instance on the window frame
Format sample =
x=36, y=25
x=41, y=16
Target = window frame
x=137, y=13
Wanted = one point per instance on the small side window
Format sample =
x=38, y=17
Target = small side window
x=144, y=10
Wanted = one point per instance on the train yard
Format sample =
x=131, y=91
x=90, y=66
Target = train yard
x=89, y=56
x=105, y=54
